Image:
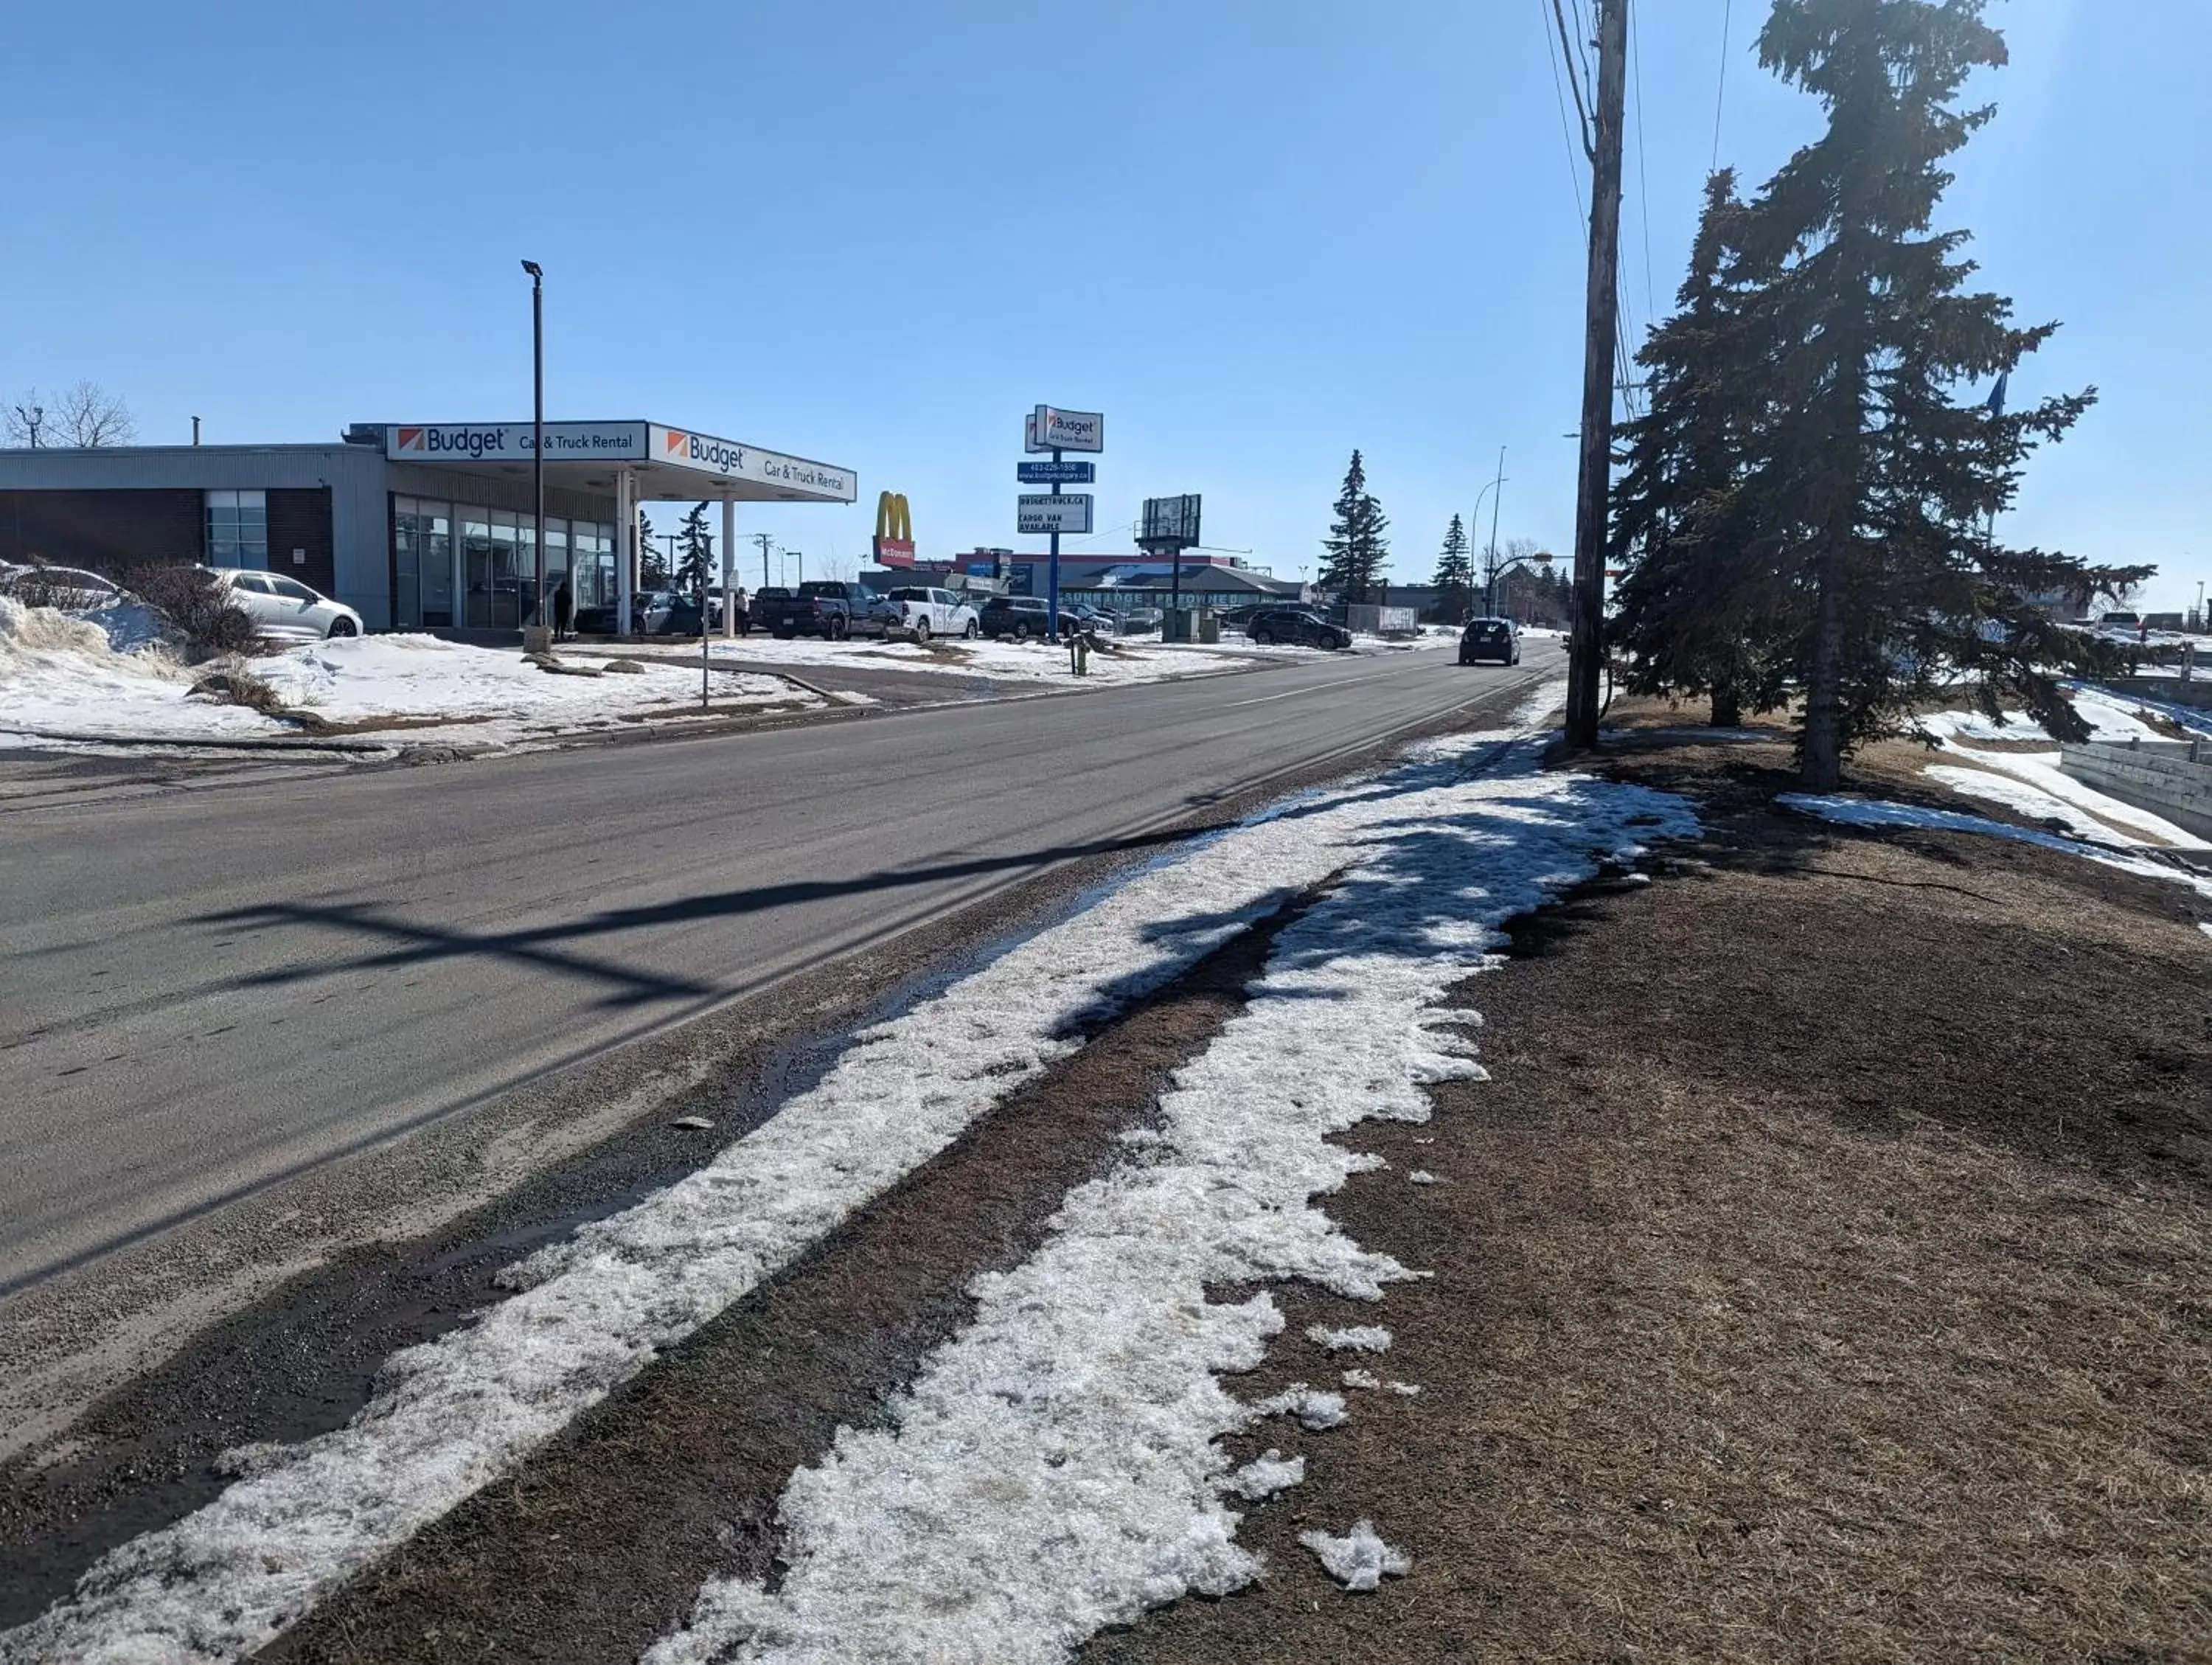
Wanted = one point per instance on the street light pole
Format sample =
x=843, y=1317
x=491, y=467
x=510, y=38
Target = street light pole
x=538, y=421
x=1489, y=555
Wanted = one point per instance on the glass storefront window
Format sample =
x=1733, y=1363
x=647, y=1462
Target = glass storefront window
x=477, y=565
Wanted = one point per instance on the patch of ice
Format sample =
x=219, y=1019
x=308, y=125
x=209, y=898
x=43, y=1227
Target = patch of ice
x=1422, y=1177
x=1876, y=812
x=1266, y=1475
x=1359, y=1338
x=1408, y=1389
x=1359, y=1560
x=1362, y=1379
x=1056, y=1466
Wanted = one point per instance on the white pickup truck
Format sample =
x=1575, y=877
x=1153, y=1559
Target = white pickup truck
x=916, y=614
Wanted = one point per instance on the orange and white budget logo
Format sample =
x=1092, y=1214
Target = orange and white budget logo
x=410, y=439
x=678, y=443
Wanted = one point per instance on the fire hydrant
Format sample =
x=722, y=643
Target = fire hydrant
x=1078, y=653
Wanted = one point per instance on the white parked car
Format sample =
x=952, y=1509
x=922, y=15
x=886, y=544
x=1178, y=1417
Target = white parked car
x=923, y=613
x=68, y=588
x=286, y=608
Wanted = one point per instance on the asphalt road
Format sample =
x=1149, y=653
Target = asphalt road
x=207, y=991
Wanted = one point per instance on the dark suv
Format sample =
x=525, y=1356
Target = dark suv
x=1489, y=639
x=1020, y=616
x=1295, y=624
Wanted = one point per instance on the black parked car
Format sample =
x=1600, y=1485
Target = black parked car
x=1295, y=624
x=1024, y=617
x=1495, y=639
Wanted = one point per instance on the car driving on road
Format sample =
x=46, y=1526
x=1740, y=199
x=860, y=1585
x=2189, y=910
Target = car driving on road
x=1486, y=639
x=284, y=607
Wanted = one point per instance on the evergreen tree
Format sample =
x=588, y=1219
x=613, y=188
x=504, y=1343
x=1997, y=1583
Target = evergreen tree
x=1874, y=489
x=1703, y=608
x=652, y=563
x=1455, y=580
x=696, y=569
x=1355, y=551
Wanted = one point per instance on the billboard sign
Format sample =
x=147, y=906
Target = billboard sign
x=1169, y=522
x=1037, y=513
x=1050, y=473
x=1054, y=429
x=894, y=542
x=509, y=441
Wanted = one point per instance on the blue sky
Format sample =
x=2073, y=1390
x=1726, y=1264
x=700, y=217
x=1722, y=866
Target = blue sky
x=1254, y=234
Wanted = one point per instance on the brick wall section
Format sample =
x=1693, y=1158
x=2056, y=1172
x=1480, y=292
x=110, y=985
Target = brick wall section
x=300, y=519
x=108, y=532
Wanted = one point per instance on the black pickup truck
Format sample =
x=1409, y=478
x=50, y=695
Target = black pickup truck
x=827, y=609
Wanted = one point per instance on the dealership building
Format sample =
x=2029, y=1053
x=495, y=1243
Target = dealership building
x=416, y=526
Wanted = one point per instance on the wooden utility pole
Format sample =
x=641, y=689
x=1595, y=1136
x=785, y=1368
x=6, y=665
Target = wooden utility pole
x=1586, y=652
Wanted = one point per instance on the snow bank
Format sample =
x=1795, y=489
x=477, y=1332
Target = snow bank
x=108, y=674
x=2033, y=784
x=1056, y=1467
x=450, y=1416
x=1876, y=812
x=63, y=670
x=365, y=677
x=2111, y=717
x=1359, y=1560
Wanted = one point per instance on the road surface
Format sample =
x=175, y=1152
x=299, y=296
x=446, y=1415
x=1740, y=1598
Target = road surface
x=208, y=991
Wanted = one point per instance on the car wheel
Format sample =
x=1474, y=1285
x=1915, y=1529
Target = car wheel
x=1336, y=644
x=839, y=629
x=342, y=627
x=1021, y=629
x=1263, y=638
x=921, y=629
x=969, y=634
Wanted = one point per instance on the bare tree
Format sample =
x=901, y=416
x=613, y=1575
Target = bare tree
x=84, y=416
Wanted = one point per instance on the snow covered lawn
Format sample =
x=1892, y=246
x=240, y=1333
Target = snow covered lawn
x=109, y=676
x=1877, y=812
x=2032, y=783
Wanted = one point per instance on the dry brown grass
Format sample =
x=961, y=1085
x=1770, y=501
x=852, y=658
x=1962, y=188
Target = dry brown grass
x=1825, y=1273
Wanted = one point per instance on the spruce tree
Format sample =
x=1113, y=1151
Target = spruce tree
x=652, y=563
x=697, y=569
x=1355, y=551
x=1874, y=488
x=1455, y=580
x=1703, y=608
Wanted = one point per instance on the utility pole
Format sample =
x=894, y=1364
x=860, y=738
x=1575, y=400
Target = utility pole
x=1593, y=489
x=765, y=540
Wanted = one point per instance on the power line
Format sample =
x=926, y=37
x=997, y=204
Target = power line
x=1566, y=136
x=1642, y=173
x=1727, y=11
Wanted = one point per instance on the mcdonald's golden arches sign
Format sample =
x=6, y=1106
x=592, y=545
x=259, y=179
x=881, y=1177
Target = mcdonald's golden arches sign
x=894, y=530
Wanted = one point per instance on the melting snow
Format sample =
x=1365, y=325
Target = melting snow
x=1056, y=1466
x=1359, y=1560
x=1876, y=812
x=1360, y=1337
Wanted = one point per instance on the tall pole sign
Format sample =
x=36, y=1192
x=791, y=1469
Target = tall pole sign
x=1049, y=429
x=1170, y=525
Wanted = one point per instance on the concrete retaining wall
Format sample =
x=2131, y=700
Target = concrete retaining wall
x=2171, y=779
x=2197, y=690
